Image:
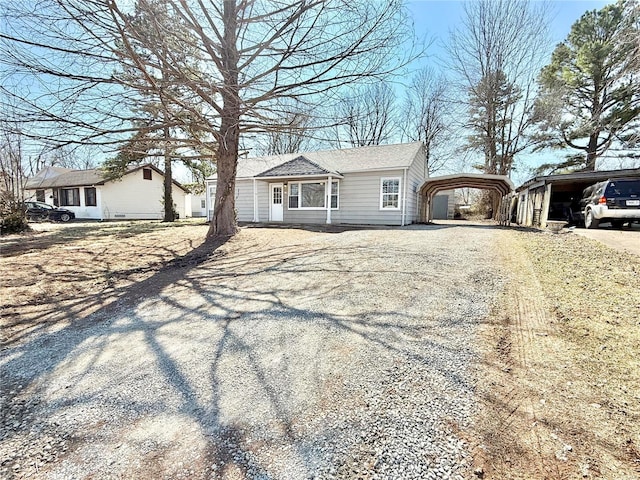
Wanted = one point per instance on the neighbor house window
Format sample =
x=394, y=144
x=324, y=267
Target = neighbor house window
x=40, y=195
x=70, y=197
x=389, y=193
x=146, y=173
x=203, y=203
x=90, y=199
x=311, y=195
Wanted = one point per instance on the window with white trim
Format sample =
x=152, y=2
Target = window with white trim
x=90, y=197
x=334, y=195
x=70, y=197
x=390, y=193
x=312, y=195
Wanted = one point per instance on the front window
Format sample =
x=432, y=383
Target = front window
x=90, y=198
x=390, y=193
x=70, y=197
x=40, y=195
x=311, y=195
x=146, y=173
x=334, y=195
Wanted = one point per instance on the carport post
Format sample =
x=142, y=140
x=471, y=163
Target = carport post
x=546, y=203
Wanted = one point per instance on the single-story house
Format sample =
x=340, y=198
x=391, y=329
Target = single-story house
x=198, y=205
x=138, y=194
x=557, y=197
x=366, y=185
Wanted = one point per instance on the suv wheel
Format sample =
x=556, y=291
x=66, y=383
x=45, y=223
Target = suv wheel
x=589, y=221
x=65, y=217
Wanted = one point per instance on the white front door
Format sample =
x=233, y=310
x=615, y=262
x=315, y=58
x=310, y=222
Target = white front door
x=277, y=208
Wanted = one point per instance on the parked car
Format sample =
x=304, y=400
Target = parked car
x=39, y=211
x=614, y=200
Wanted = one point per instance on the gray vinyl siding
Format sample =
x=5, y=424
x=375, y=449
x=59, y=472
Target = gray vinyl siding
x=416, y=176
x=244, y=200
x=359, y=198
x=263, y=201
x=306, y=216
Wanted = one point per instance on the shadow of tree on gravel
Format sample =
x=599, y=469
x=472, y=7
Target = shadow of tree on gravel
x=221, y=339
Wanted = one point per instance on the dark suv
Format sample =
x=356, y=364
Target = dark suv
x=614, y=200
x=39, y=211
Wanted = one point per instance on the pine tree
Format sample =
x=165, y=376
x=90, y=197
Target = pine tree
x=590, y=95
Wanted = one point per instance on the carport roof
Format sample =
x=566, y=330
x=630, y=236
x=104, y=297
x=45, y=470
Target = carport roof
x=500, y=183
x=594, y=177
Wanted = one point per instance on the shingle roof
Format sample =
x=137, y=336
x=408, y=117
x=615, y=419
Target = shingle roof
x=55, y=177
x=299, y=166
x=379, y=157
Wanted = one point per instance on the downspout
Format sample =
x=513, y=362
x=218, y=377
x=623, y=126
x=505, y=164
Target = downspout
x=328, y=200
x=404, y=197
x=256, y=214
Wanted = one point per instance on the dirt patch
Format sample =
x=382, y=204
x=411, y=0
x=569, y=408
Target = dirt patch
x=560, y=385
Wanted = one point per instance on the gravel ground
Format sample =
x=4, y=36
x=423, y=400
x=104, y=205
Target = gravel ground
x=287, y=354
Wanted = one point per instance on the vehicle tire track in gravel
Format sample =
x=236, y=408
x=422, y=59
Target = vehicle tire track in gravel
x=287, y=355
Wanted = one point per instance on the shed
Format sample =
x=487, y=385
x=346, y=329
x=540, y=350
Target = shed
x=557, y=197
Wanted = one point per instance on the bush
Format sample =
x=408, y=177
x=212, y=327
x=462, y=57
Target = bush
x=14, y=222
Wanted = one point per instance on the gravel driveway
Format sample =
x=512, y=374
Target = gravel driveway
x=287, y=354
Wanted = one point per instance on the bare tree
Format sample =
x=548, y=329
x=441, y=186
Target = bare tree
x=12, y=180
x=291, y=131
x=258, y=54
x=253, y=55
x=426, y=115
x=367, y=116
x=496, y=53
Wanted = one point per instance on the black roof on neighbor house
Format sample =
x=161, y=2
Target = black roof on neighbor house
x=593, y=177
x=299, y=166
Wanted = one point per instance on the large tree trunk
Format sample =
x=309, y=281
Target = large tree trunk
x=168, y=187
x=224, y=222
x=592, y=152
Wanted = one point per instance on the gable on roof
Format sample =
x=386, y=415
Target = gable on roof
x=299, y=166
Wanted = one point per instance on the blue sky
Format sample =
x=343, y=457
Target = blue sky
x=434, y=19
x=437, y=17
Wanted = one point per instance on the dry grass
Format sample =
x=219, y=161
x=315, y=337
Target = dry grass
x=561, y=382
x=81, y=267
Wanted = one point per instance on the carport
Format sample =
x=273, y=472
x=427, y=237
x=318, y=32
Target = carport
x=497, y=183
x=557, y=197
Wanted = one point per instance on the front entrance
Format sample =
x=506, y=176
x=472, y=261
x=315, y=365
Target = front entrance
x=276, y=210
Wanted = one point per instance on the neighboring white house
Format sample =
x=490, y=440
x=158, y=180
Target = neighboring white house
x=366, y=185
x=137, y=195
x=198, y=205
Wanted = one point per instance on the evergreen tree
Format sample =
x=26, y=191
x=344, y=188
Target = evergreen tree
x=164, y=111
x=590, y=95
